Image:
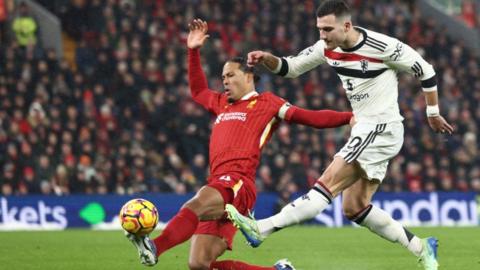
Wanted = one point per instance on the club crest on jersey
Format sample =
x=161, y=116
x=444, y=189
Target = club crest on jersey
x=364, y=65
x=252, y=104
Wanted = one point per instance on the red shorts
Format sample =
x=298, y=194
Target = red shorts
x=244, y=197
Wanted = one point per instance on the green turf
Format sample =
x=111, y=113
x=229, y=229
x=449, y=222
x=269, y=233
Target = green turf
x=308, y=247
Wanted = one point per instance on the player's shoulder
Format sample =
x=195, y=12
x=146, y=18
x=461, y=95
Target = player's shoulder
x=378, y=36
x=270, y=96
x=377, y=39
x=267, y=95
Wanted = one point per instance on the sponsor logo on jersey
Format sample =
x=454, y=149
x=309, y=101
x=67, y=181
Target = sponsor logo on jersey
x=358, y=97
x=231, y=116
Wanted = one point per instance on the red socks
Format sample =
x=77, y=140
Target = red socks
x=236, y=265
x=180, y=228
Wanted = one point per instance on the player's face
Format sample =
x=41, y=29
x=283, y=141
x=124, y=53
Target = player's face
x=236, y=83
x=332, y=30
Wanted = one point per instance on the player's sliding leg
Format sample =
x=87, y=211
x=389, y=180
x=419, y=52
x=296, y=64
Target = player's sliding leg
x=179, y=229
x=338, y=176
x=283, y=264
x=206, y=248
x=207, y=203
x=210, y=241
x=357, y=208
x=145, y=248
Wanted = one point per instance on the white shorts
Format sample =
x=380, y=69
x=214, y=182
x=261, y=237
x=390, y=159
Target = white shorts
x=373, y=145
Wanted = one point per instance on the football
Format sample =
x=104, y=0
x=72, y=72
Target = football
x=138, y=216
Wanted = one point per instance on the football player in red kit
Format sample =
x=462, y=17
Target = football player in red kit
x=245, y=120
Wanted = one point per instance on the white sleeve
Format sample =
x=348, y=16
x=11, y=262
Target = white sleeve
x=309, y=58
x=402, y=57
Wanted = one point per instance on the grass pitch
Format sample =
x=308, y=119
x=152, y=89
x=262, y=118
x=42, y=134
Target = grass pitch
x=308, y=247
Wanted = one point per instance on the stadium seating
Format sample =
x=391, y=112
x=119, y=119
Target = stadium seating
x=121, y=119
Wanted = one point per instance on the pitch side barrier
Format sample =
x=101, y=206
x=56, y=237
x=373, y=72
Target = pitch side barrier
x=100, y=212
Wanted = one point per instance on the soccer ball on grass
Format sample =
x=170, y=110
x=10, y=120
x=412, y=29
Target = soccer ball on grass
x=138, y=216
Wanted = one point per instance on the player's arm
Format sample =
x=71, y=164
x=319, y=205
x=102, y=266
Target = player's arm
x=196, y=77
x=316, y=119
x=291, y=66
x=403, y=57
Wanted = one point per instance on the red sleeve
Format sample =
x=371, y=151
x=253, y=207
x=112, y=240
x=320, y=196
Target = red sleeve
x=317, y=119
x=198, y=83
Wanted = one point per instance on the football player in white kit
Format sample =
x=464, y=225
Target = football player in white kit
x=367, y=63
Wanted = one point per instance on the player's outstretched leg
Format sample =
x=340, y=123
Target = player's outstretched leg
x=247, y=225
x=283, y=264
x=145, y=247
x=428, y=257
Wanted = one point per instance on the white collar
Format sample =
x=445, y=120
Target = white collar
x=249, y=95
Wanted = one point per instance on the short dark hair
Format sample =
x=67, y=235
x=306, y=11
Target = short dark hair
x=336, y=7
x=244, y=67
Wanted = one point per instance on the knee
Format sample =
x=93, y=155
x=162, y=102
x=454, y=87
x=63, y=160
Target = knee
x=197, y=205
x=194, y=204
x=196, y=264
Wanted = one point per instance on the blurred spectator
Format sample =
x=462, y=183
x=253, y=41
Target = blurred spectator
x=3, y=21
x=25, y=26
x=469, y=13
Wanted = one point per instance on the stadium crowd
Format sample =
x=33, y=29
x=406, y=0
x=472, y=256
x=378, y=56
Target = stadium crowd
x=120, y=119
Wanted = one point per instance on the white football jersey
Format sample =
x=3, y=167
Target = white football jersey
x=368, y=72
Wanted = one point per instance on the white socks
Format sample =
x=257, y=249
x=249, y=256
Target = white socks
x=317, y=199
x=303, y=208
x=381, y=223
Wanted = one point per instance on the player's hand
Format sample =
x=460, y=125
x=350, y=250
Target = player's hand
x=198, y=34
x=439, y=124
x=255, y=57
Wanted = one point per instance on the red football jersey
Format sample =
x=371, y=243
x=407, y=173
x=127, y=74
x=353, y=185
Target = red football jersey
x=240, y=131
